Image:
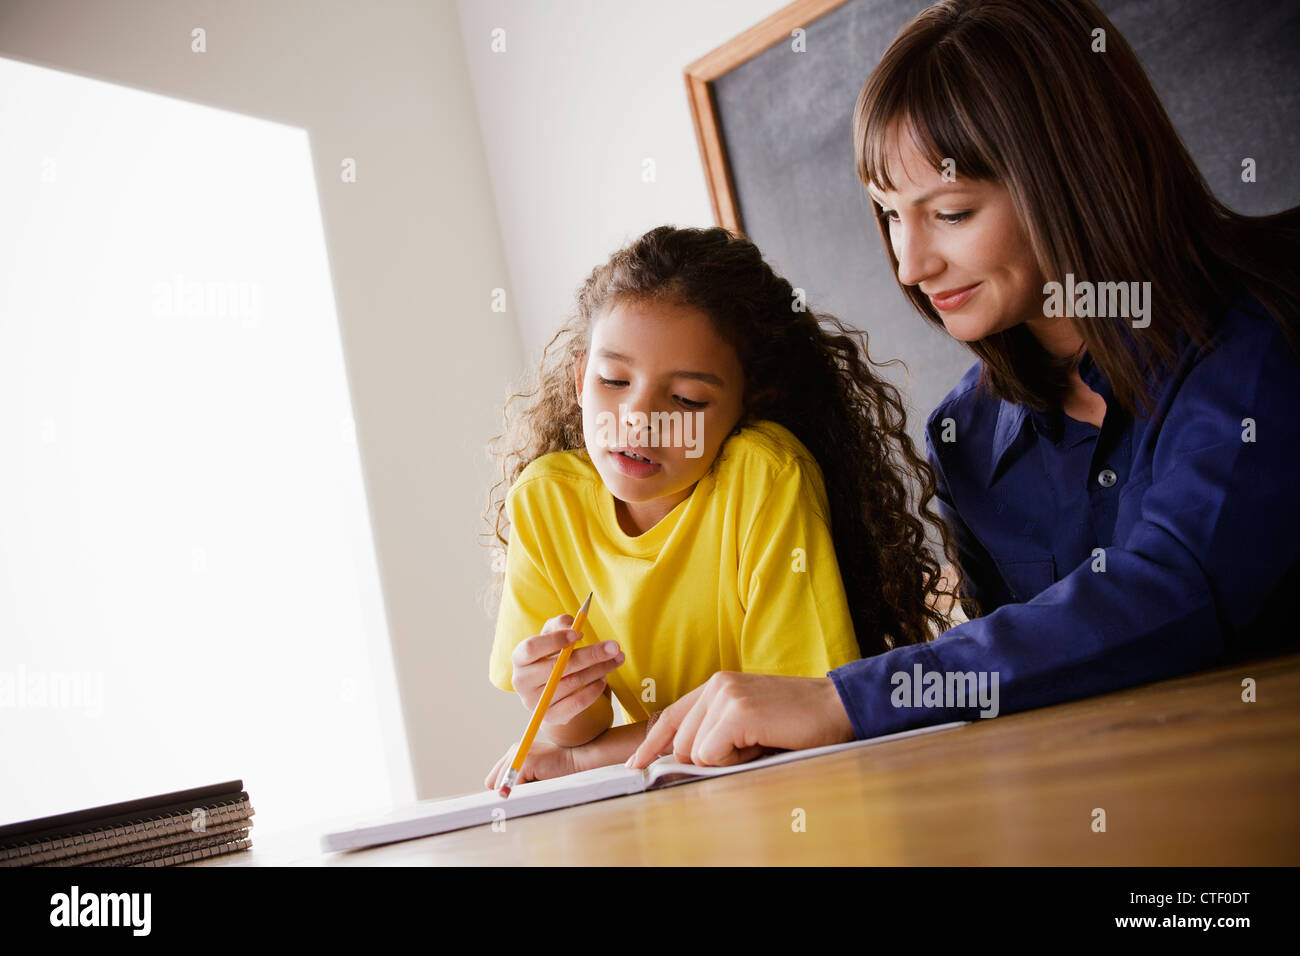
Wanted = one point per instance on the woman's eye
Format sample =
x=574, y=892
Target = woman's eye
x=951, y=218
x=610, y=381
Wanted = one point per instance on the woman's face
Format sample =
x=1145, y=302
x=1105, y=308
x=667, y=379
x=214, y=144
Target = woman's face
x=660, y=371
x=963, y=244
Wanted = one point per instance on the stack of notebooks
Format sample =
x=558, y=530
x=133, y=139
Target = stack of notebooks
x=156, y=831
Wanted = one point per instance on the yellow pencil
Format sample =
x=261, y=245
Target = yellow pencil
x=539, y=712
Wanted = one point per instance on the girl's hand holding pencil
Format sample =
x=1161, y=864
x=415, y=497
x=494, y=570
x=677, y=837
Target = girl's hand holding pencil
x=584, y=678
x=544, y=761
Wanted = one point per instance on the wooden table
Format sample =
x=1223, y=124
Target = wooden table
x=1187, y=773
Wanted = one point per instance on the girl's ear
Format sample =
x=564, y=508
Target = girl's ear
x=579, y=373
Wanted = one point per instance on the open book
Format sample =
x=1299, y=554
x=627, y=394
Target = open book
x=438, y=816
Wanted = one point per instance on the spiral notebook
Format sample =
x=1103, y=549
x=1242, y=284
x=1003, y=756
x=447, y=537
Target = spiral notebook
x=162, y=830
x=438, y=816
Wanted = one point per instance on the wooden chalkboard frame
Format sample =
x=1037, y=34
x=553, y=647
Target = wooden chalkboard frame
x=700, y=76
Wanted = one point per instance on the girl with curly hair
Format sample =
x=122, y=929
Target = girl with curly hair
x=767, y=525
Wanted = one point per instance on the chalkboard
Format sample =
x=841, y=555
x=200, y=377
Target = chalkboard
x=1226, y=71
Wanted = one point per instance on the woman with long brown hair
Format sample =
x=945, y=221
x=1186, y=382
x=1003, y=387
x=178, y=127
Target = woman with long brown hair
x=1117, y=465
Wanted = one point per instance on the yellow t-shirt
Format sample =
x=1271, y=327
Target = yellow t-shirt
x=741, y=575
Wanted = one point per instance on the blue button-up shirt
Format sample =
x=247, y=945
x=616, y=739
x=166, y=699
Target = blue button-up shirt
x=1107, y=557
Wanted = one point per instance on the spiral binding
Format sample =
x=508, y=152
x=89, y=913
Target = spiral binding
x=200, y=854
x=167, y=852
x=169, y=843
x=74, y=845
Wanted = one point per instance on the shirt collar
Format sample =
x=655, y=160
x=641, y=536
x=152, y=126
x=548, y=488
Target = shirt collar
x=1094, y=377
x=1011, y=423
x=1050, y=424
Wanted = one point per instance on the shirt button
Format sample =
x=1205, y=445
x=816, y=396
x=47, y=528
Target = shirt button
x=1107, y=478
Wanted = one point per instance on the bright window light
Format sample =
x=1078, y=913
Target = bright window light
x=188, y=585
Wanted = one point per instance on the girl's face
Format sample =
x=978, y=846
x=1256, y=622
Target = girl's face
x=963, y=244
x=658, y=381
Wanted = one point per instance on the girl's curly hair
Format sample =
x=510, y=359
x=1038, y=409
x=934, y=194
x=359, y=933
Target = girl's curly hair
x=811, y=379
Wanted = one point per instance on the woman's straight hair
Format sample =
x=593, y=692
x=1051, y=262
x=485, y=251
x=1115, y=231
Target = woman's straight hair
x=1021, y=92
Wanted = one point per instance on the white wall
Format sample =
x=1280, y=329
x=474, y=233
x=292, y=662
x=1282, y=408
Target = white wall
x=584, y=93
